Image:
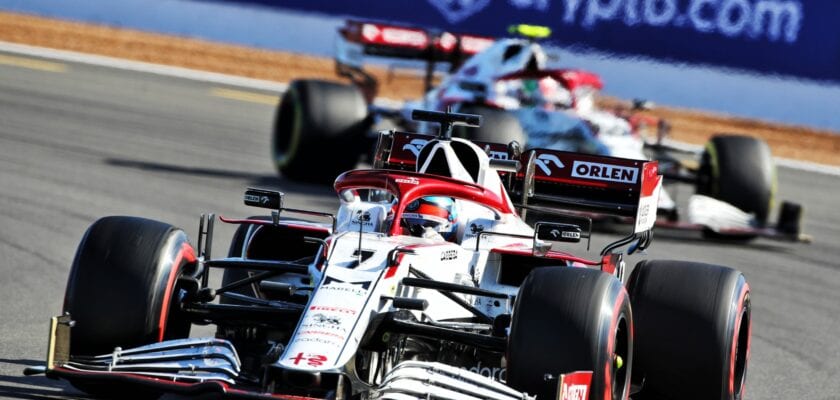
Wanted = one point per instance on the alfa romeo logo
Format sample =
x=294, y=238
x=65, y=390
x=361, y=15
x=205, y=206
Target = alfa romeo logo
x=456, y=11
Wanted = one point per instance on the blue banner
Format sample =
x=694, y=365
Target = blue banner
x=787, y=37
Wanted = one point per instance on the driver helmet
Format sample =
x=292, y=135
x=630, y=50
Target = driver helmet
x=529, y=92
x=554, y=94
x=437, y=213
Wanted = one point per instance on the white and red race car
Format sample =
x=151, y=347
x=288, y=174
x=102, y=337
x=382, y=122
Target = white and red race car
x=524, y=95
x=427, y=283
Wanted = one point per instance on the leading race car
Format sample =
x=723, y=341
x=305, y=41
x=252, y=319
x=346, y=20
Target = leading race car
x=524, y=96
x=427, y=284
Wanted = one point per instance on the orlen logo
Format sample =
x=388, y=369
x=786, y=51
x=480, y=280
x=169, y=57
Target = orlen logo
x=557, y=234
x=604, y=172
x=573, y=392
x=544, y=161
x=415, y=146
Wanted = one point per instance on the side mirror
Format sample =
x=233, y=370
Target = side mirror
x=556, y=232
x=263, y=198
x=546, y=233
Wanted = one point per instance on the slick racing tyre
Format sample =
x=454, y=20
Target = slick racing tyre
x=571, y=319
x=122, y=290
x=692, y=337
x=319, y=130
x=739, y=170
x=497, y=126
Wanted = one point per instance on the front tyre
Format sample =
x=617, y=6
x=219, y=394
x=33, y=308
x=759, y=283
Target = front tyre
x=319, y=130
x=571, y=319
x=693, y=326
x=739, y=170
x=121, y=289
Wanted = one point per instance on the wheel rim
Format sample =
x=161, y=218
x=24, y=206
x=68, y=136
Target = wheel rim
x=620, y=363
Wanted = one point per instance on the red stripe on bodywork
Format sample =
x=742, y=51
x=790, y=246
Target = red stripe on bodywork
x=313, y=228
x=222, y=388
x=558, y=255
x=581, y=182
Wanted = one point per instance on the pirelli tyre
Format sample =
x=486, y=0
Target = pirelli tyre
x=122, y=291
x=319, y=130
x=497, y=126
x=571, y=319
x=692, y=337
x=739, y=170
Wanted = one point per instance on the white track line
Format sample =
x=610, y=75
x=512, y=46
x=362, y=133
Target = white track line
x=259, y=84
x=157, y=69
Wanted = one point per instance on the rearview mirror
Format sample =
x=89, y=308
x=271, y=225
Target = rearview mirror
x=556, y=232
x=263, y=198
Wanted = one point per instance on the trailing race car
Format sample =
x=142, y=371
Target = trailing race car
x=523, y=96
x=426, y=284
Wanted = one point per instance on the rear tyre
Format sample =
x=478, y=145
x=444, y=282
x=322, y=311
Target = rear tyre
x=739, y=170
x=692, y=330
x=122, y=288
x=497, y=126
x=571, y=319
x=319, y=130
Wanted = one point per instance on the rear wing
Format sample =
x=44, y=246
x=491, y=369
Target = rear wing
x=358, y=39
x=552, y=178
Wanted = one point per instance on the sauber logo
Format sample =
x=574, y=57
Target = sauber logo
x=415, y=145
x=544, y=161
x=604, y=172
x=573, y=392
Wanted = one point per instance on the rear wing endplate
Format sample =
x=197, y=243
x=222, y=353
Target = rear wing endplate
x=552, y=178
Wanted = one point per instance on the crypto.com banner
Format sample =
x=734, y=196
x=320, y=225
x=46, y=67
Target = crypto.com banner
x=790, y=37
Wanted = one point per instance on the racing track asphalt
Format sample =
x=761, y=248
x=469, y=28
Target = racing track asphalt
x=78, y=142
